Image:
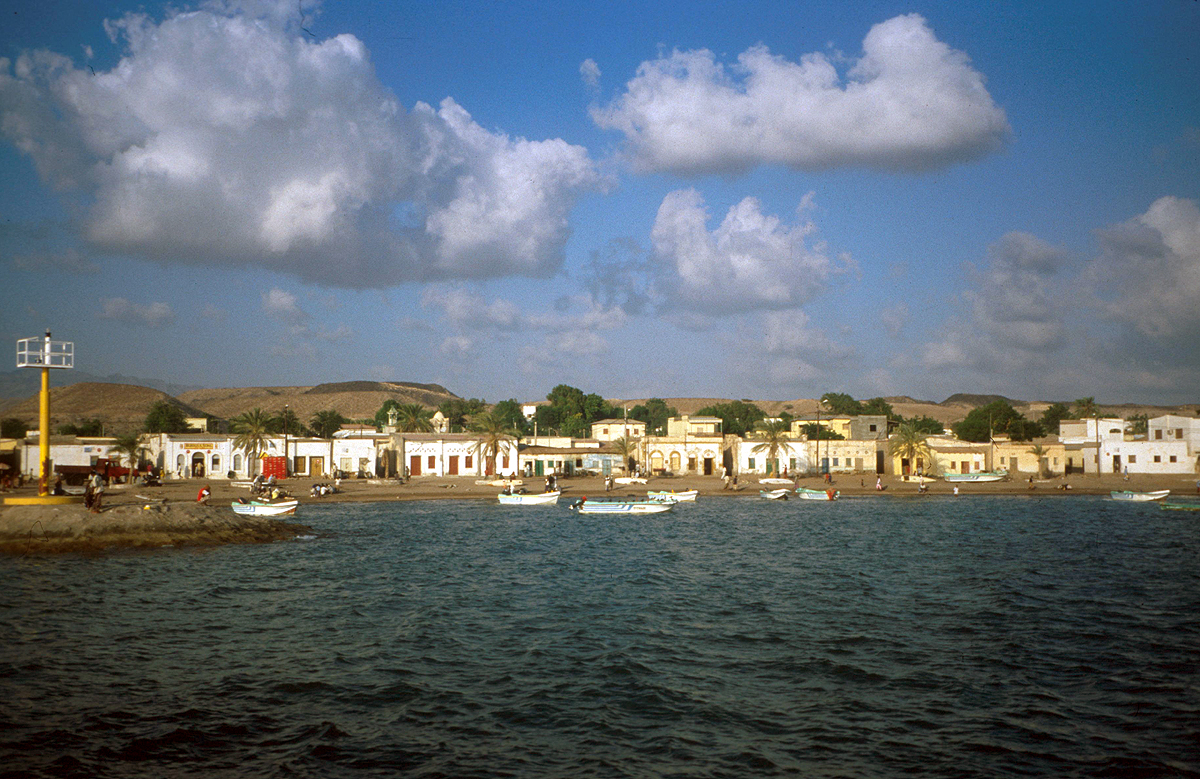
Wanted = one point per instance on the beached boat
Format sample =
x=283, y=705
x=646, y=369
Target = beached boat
x=585, y=506
x=803, y=493
x=1138, y=497
x=629, y=480
x=539, y=499
x=676, y=497
x=263, y=508
x=774, y=480
x=499, y=483
x=774, y=494
x=1179, y=506
x=979, y=476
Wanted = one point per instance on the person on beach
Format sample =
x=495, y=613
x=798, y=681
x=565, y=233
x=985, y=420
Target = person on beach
x=202, y=496
x=96, y=483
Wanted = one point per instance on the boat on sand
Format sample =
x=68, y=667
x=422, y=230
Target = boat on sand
x=1138, y=497
x=265, y=508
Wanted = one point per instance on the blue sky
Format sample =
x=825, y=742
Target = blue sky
x=754, y=199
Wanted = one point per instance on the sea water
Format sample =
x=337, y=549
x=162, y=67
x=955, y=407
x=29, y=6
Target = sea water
x=734, y=637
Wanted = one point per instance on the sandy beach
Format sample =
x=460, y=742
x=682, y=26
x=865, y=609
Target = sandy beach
x=152, y=517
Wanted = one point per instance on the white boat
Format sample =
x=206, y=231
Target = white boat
x=774, y=494
x=540, y=499
x=774, y=480
x=262, y=508
x=499, y=483
x=629, y=480
x=980, y=476
x=1138, y=497
x=677, y=497
x=586, y=506
x=803, y=493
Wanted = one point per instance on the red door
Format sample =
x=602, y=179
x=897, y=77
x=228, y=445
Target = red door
x=453, y=466
x=414, y=465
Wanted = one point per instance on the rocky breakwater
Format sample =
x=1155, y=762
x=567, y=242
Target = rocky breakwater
x=72, y=528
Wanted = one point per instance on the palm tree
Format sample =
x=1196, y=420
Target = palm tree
x=326, y=423
x=286, y=421
x=910, y=444
x=413, y=418
x=130, y=446
x=1086, y=407
x=627, y=448
x=253, y=428
x=493, y=430
x=1039, y=451
x=774, y=435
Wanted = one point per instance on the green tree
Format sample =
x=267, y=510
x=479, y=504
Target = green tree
x=1054, y=414
x=995, y=418
x=493, y=432
x=11, y=427
x=512, y=414
x=815, y=432
x=286, y=421
x=325, y=423
x=910, y=444
x=1139, y=424
x=773, y=436
x=737, y=417
x=626, y=448
x=166, y=418
x=131, y=448
x=841, y=404
x=458, y=411
x=85, y=427
x=879, y=407
x=655, y=413
x=413, y=418
x=252, y=429
x=1086, y=408
x=924, y=424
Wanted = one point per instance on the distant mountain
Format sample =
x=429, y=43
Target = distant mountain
x=351, y=399
x=23, y=382
x=121, y=407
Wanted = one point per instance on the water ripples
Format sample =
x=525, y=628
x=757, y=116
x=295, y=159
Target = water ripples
x=733, y=637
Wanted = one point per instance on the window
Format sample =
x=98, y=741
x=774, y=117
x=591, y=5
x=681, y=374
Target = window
x=504, y=462
x=1133, y=458
x=1158, y=435
x=299, y=464
x=1157, y=458
x=432, y=462
x=751, y=464
x=835, y=462
x=1179, y=432
x=1172, y=458
x=237, y=462
x=604, y=430
x=467, y=461
x=216, y=464
x=873, y=428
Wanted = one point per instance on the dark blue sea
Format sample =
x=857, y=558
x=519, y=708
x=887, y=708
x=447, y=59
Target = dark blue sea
x=872, y=637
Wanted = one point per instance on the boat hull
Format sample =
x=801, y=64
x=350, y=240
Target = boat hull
x=259, y=509
x=677, y=497
x=969, y=478
x=1138, y=497
x=543, y=499
x=612, y=507
x=806, y=494
x=1180, y=506
x=774, y=494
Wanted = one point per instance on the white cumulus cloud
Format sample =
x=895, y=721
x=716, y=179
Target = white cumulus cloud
x=750, y=261
x=910, y=102
x=121, y=310
x=231, y=137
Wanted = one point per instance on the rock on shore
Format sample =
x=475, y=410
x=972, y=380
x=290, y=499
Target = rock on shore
x=72, y=528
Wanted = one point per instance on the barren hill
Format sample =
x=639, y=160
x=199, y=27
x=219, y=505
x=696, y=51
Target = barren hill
x=121, y=407
x=353, y=399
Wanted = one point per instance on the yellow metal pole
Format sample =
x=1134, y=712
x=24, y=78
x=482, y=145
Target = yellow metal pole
x=44, y=434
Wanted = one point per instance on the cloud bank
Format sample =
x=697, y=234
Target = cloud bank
x=222, y=137
x=909, y=103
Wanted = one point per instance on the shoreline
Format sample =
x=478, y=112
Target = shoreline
x=168, y=516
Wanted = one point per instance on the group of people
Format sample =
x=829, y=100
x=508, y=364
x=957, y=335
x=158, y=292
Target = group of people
x=93, y=491
x=323, y=489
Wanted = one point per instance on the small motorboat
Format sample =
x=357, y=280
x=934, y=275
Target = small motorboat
x=1138, y=497
x=979, y=476
x=671, y=495
x=803, y=493
x=774, y=494
x=522, y=499
x=1172, y=505
x=264, y=508
x=585, y=506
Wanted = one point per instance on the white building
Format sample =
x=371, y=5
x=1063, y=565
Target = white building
x=450, y=454
x=1175, y=428
x=612, y=429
